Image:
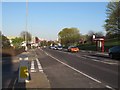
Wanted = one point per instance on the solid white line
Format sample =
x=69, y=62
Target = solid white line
x=109, y=87
x=14, y=83
x=75, y=69
x=39, y=67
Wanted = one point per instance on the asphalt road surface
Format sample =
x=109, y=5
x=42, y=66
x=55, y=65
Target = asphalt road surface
x=78, y=70
x=65, y=69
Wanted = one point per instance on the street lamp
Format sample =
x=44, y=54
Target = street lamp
x=26, y=48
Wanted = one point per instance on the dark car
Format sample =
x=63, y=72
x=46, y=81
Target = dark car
x=114, y=52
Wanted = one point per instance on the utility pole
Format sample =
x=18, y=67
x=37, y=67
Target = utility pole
x=26, y=39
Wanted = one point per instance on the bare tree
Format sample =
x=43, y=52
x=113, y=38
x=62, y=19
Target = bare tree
x=26, y=36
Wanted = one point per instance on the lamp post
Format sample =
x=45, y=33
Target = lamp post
x=26, y=48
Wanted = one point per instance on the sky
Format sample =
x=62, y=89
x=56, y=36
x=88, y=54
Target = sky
x=56, y=0
x=47, y=19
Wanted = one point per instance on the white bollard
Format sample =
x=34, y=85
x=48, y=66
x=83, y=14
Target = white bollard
x=23, y=71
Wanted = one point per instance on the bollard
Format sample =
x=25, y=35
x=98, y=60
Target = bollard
x=23, y=70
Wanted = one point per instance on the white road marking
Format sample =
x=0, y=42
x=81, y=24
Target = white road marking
x=14, y=83
x=93, y=59
x=74, y=68
x=39, y=65
x=32, y=67
x=90, y=57
x=107, y=86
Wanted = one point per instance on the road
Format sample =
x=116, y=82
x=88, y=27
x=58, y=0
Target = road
x=61, y=69
x=78, y=70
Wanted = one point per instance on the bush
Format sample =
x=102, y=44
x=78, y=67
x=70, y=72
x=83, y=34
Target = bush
x=10, y=51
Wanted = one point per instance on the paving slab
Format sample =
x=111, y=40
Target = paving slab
x=38, y=80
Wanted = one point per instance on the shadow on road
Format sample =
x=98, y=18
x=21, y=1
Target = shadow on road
x=6, y=69
x=10, y=71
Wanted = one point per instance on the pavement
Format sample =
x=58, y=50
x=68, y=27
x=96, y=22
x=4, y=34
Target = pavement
x=36, y=79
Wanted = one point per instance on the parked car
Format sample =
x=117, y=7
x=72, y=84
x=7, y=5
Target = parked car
x=114, y=52
x=55, y=47
x=51, y=47
x=59, y=48
x=73, y=49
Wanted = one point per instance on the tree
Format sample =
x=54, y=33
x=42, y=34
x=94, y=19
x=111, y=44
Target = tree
x=69, y=36
x=17, y=41
x=90, y=34
x=112, y=25
x=5, y=41
x=26, y=36
x=0, y=38
x=83, y=39
x=50, y=42
x=43, y=43
x=99, y=34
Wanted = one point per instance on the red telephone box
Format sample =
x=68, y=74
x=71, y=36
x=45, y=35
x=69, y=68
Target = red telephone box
x=99, y=42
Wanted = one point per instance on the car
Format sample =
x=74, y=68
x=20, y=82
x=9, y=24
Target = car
x=59, y=48
x=51, y=47
x=114, y=52
x=55, y=47
x=73, y=49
